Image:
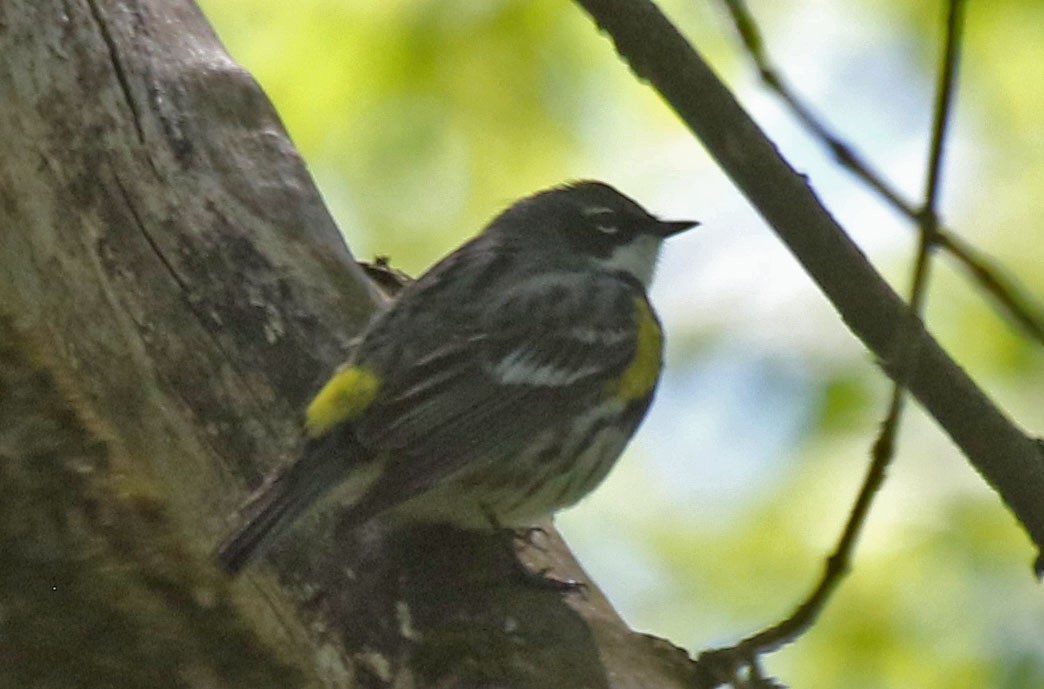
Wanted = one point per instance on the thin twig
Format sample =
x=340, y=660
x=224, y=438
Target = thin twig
x=906, y=344
x=847, y=156
x=1020, y=308
x=839, y=562
x=1007, y=457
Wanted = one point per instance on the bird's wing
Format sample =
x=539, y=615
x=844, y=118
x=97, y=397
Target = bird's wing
x=541, y=354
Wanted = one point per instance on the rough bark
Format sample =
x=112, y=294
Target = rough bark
x=171, y=290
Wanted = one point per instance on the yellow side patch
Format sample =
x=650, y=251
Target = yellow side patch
x=344, y=396
x=640, y=376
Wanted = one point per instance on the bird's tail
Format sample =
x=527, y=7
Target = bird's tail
x=322, y=466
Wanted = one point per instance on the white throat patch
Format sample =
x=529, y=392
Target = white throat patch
x=638, y=257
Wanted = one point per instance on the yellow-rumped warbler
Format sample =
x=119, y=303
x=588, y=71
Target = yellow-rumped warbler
x=500, y=387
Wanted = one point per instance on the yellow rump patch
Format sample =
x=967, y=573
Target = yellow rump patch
x=344, y=396
x=640, y=376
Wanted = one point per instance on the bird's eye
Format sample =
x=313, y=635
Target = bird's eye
x=607, y=229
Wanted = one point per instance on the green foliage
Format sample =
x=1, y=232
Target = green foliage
x=420, y=120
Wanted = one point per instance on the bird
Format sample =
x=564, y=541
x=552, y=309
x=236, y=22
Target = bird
x=497, y=389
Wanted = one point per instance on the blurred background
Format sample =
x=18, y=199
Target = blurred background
x=421, y=120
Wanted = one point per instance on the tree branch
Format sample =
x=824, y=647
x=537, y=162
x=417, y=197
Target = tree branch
x=1005, y=456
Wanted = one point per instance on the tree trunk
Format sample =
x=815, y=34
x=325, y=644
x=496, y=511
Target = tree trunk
x=171, y=291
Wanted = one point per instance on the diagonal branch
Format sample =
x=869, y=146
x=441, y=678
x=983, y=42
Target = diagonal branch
x=1007, y=458
x=838, y=563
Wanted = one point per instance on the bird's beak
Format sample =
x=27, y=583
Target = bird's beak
x=669, y=228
